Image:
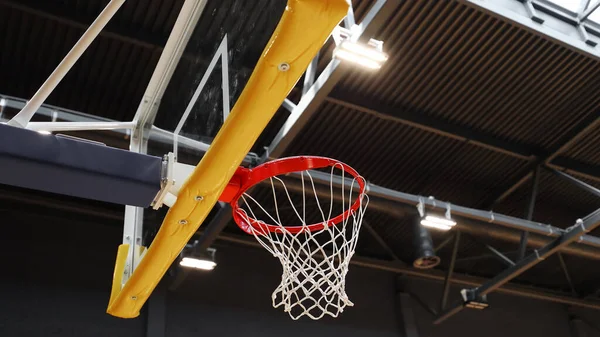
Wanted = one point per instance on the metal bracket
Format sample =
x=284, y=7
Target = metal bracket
x=531, y=12
x=585, y=36
x=166, y=181
x=471, y=300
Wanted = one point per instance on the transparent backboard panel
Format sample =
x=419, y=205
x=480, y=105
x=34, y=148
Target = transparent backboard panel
x=248, y=26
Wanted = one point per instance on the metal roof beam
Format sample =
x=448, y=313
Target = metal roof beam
x=374, y=21
x=564, y=142
x=70, y=17
x=417, y=119
x=547, y=20
x=420, y=120
x=581, y=227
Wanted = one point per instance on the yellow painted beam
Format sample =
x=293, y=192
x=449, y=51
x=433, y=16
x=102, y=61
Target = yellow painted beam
x=118, y=273
x=302, y=31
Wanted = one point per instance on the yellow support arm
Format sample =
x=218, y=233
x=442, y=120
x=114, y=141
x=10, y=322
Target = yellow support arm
x=301, y=32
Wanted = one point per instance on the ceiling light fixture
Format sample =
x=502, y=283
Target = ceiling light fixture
x=437, y=222
x=203, y=260
x=370, y=56
x=197, y=263
x=443, y=223
x=424, y=257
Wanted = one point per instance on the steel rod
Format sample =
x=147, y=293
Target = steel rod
x=529, y=215
x=589, y=11
x=448, y=280
x=565, y=270
x=79, y=126
x=444, y=243
x=589, y=188
x=381, y=241
x=484, y=256
x=496, y=253
x=24, y=116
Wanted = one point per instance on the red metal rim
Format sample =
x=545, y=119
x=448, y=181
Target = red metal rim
x=251, y=177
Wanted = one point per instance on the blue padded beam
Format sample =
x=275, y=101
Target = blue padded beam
x=77, y=168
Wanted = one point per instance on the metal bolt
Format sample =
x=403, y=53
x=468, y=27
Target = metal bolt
x=284, y=66
x=199, y=198
x=134, y=298
x=128, y=238
x=183, y=222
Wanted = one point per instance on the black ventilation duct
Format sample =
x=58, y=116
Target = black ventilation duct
x=425, y=257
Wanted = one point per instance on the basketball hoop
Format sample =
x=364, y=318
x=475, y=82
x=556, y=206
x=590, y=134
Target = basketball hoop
x=314, y=247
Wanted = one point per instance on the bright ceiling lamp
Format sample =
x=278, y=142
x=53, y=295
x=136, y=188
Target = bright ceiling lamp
x=191, y=258
x=434, y=221
x=368, y=56
x=437, y=222
x=197, y=263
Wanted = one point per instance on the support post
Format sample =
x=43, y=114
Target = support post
x=448, y=279
x=146, y=113
x=529, y=214
x=565, y=270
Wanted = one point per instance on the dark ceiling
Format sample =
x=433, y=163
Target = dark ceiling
x=464, y=109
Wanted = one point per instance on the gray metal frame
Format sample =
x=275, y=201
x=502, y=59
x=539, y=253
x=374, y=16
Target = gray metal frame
x=574, y=233
x=571, y=29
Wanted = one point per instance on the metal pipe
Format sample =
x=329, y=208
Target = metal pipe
x=378, y=193
x=437, y=276
x=79, y=126
x=476, y=222
x=448, y=279
x=24, y=116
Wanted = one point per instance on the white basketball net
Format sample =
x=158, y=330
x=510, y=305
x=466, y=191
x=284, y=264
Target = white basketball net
x=315, y=263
